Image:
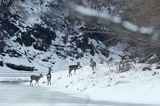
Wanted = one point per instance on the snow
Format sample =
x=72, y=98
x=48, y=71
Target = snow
x=83, y=10
x=44, y=104
x=130, y=26
x=134, y=86
x=147, y=30
x=117, y=19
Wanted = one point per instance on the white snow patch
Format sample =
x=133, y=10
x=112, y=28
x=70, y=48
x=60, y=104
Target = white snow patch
x=130, y=26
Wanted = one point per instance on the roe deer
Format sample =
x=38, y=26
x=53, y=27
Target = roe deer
x=93, y=65
x=49, y=76
x=36, y=78
x=73, y=67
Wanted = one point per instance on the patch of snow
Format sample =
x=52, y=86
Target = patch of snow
x=117, y=19
x=130, y=26
x=146, y=30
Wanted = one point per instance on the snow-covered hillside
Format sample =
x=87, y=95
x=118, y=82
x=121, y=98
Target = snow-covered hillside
x=42, y=60
x=42, y=34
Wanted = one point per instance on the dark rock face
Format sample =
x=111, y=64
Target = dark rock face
x=8, y=25
x=41, y=35
x=7, y=28
x=13, y=53
x=2, y=45
x=26, y=39
x=146, y=68
x=84, y=44
x=1, y=63
x=158, y=67
x=38, y=36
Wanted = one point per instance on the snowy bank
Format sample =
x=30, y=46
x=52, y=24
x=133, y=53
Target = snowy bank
x=134, y=86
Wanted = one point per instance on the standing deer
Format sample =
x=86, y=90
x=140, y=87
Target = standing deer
x=93, y=65
x=36, y=78
x=73, y=67
x=49, y=76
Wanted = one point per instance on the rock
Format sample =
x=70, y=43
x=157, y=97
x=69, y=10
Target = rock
x=20, y=67
x=1, y=63
x=146, y=68
x=13, y=53
x=158, y=67
x=37, y=36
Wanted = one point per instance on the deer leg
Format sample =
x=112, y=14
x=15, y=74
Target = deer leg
x=74, y=72
x=36, y=83
x=31, y=83
x=70, y=74
x=50, y=81
x=47, y=82
x=96, y=68
x=93, y=69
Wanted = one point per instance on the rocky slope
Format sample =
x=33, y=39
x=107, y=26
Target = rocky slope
x=47, y=30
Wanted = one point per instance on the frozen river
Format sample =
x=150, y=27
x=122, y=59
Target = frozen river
x=21, y=95
x=18, y=95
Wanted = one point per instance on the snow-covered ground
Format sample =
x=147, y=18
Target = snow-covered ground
x=134, y=86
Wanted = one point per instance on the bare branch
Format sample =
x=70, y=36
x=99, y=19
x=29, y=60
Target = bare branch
x=113, y=20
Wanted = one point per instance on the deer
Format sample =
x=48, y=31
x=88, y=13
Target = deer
x=93, y=65
x=73, y=67
x=36, y=78
x=49, y=76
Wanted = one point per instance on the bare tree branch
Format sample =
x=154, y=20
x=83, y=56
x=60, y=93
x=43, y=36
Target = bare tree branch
x=113, y=20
